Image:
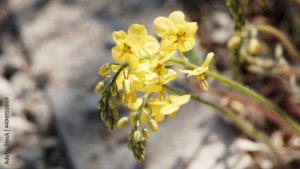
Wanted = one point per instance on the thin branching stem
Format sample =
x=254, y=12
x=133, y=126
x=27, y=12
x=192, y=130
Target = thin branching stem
x=294, y=126
x=244, y=125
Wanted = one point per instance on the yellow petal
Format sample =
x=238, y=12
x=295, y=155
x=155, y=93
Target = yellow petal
x=169, y=109
x=180, y=100
x=187, y=45
x=119, y=35
x=169, y=75
x=152, y=88
x=133, y=61
x=162, y=26
x=159, y=117
x=137, y=29
x=167, y=44
x=136, y=105
x=177, y=17
x=208, y=59
x=117, y=54
x=156, y=102
x=190, y=28
x=150, y=47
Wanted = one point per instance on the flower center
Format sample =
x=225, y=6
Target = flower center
x=180, y=37
x=127, y=49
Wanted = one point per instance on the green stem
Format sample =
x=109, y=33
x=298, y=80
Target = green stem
x=244, y=125
x=282, y=37
x=144, y=103
x=289, y=121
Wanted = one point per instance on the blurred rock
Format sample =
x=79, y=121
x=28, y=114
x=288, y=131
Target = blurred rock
x=39, y=112
x=220, y=26
x=18, y=107
x=6, y=89
x=21, y=125
x=22, y=83
x=32, y=158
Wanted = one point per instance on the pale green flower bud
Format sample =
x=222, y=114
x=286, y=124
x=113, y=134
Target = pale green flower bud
x=104, y=69
x=122, y=122
x=153, y=125
x=254, y=46
x=127, y=86
x=99, y=87
x=234, y=42
x=137, y=136
x=146, y=133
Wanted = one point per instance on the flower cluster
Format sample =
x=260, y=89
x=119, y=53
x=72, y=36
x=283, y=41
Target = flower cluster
x=143, y=68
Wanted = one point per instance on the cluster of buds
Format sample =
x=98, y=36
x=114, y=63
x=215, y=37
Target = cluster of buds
x=243, y=45
x=143, y=69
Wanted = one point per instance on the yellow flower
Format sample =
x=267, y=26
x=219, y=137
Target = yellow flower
x=139, y=79
x=130, y=47
x=166, y=106
x=175, y=32
x=200, y=71
x=157, y=108
x=160, y=75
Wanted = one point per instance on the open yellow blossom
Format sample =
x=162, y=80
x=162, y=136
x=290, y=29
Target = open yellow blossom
x=157, y=108
x=140, y=78
x=130, y=47
x=161, y=75
x=161, y=107
x=175, y=32
x=200, y=71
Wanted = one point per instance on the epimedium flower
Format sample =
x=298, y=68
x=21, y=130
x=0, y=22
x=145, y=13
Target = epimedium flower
x=131, y=81
x=157, y=108
x=199, y=72
x=161, y=75
x=143, y=67
x=134, y=45
x=160, y=106
x=175, y=32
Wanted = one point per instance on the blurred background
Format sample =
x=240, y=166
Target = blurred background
x=50, y=52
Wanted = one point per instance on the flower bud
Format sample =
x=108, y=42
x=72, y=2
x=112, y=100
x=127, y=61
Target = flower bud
x=137, y=136
x=104, y=69
x=127, y=86
x=122, y=122
x=115, y=113
x=254, y=46
x=153, y=125
x=100, y=104
x=146, y=133
x=114, y=90
x=233, y=42
x=112, y=102
x=99, y=87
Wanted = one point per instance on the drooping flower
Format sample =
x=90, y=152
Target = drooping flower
x=175, y=32
x=161, y=107
x=199, y=72
x=134, y=45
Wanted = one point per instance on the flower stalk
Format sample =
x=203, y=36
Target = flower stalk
x=282, y=37
x=244, y=125
x=289, y=121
